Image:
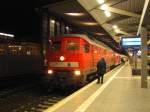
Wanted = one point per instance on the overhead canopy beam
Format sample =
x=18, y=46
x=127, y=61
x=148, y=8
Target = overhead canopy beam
x=109, y=28
x=128, y=27
x=129, y=20
x=103, y=21
x=121, y=26
x=122, y=12
x=125, y=33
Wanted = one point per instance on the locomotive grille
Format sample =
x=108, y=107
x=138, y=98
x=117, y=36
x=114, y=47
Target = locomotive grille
x=64, y=64
x=63, y=74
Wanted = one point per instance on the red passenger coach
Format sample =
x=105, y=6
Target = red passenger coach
x=73, y=58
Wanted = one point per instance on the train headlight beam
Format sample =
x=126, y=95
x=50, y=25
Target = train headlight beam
x=50, y=71
x=77, y=73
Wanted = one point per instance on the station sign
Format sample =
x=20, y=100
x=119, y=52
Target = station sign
x=131, y=42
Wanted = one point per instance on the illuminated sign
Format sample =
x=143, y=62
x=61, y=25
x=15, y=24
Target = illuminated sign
x=130, y=41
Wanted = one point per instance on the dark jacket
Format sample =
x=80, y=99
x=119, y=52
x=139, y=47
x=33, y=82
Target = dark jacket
x=101, y=67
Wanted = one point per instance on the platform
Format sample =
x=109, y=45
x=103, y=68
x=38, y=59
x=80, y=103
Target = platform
x=120, y=92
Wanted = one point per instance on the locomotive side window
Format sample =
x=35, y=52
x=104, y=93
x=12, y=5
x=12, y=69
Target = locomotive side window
x=56, y=46
x=72, y=45
x=52, y=27
x=86, y=48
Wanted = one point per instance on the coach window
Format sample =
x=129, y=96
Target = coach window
x=56, y=46
x=72, y=45
x=52, y=27
x=57, y=28
x=67, y=29
x=86, y=48
x=62, y=28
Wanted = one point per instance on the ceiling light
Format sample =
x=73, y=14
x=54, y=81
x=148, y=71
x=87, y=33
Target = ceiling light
x=104, y=7
x=115, y=26
x=117, y=30
x=52, y=21
x=100, y=1
x=67, y=27
x=107, y=13
x=5, y=34
x=99, y=34
x=74, y=14
x=89, y=23
x=130, y=54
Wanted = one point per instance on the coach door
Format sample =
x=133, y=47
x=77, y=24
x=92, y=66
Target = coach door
x=93, y=57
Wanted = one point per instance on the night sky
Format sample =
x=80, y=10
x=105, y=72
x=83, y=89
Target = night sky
x=20, y=18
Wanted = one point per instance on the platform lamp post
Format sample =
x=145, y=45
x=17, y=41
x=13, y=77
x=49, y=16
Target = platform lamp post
x=144, y=58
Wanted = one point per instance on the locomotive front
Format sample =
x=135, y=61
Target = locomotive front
x=63, y=60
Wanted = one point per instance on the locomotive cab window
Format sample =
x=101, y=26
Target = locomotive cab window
x=56, y=46
x=86, y=48
x=72, y=45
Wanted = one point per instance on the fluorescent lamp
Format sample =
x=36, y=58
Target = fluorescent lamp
x=99, y=34
x=115, y=26
x=5, y=34
x=89, y=23
x=52, y=21
x=107, y=13
x=67, y=27
x=104, y=7
x=100, y=1
x=74, y=14
x=117, y=30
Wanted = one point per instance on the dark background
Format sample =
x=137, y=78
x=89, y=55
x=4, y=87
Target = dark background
x=19, y=17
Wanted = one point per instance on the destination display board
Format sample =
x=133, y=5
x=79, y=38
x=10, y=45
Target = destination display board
x=130, y=41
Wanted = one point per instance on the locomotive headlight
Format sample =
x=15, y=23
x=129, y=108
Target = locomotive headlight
x=50, y=71
x=62, y=58
x=77, y=73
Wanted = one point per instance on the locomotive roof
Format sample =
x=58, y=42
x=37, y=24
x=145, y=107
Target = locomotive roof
x=91, y=41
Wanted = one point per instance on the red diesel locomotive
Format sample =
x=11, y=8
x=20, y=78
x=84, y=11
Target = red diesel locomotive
x=72, y=58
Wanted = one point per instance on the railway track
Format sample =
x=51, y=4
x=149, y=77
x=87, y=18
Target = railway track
x=31, y=97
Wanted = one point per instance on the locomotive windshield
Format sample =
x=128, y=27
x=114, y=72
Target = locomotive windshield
x=56, y=46
x=72, y=45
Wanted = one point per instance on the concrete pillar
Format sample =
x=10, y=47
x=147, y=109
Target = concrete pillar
x=144, y=58
x=45, y=36
x=135, y=60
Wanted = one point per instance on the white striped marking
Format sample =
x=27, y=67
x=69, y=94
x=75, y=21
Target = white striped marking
x=89, y=101
x=62, y=102
x=134, y=77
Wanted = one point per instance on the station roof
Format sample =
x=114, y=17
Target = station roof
x=90, y=15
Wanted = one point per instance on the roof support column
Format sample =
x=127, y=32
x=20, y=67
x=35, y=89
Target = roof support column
x=144, y=58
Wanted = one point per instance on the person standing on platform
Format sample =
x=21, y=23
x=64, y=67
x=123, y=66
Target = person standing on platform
x=101, y=70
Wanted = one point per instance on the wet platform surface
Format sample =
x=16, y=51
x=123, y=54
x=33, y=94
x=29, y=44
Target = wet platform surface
x=120, y=92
